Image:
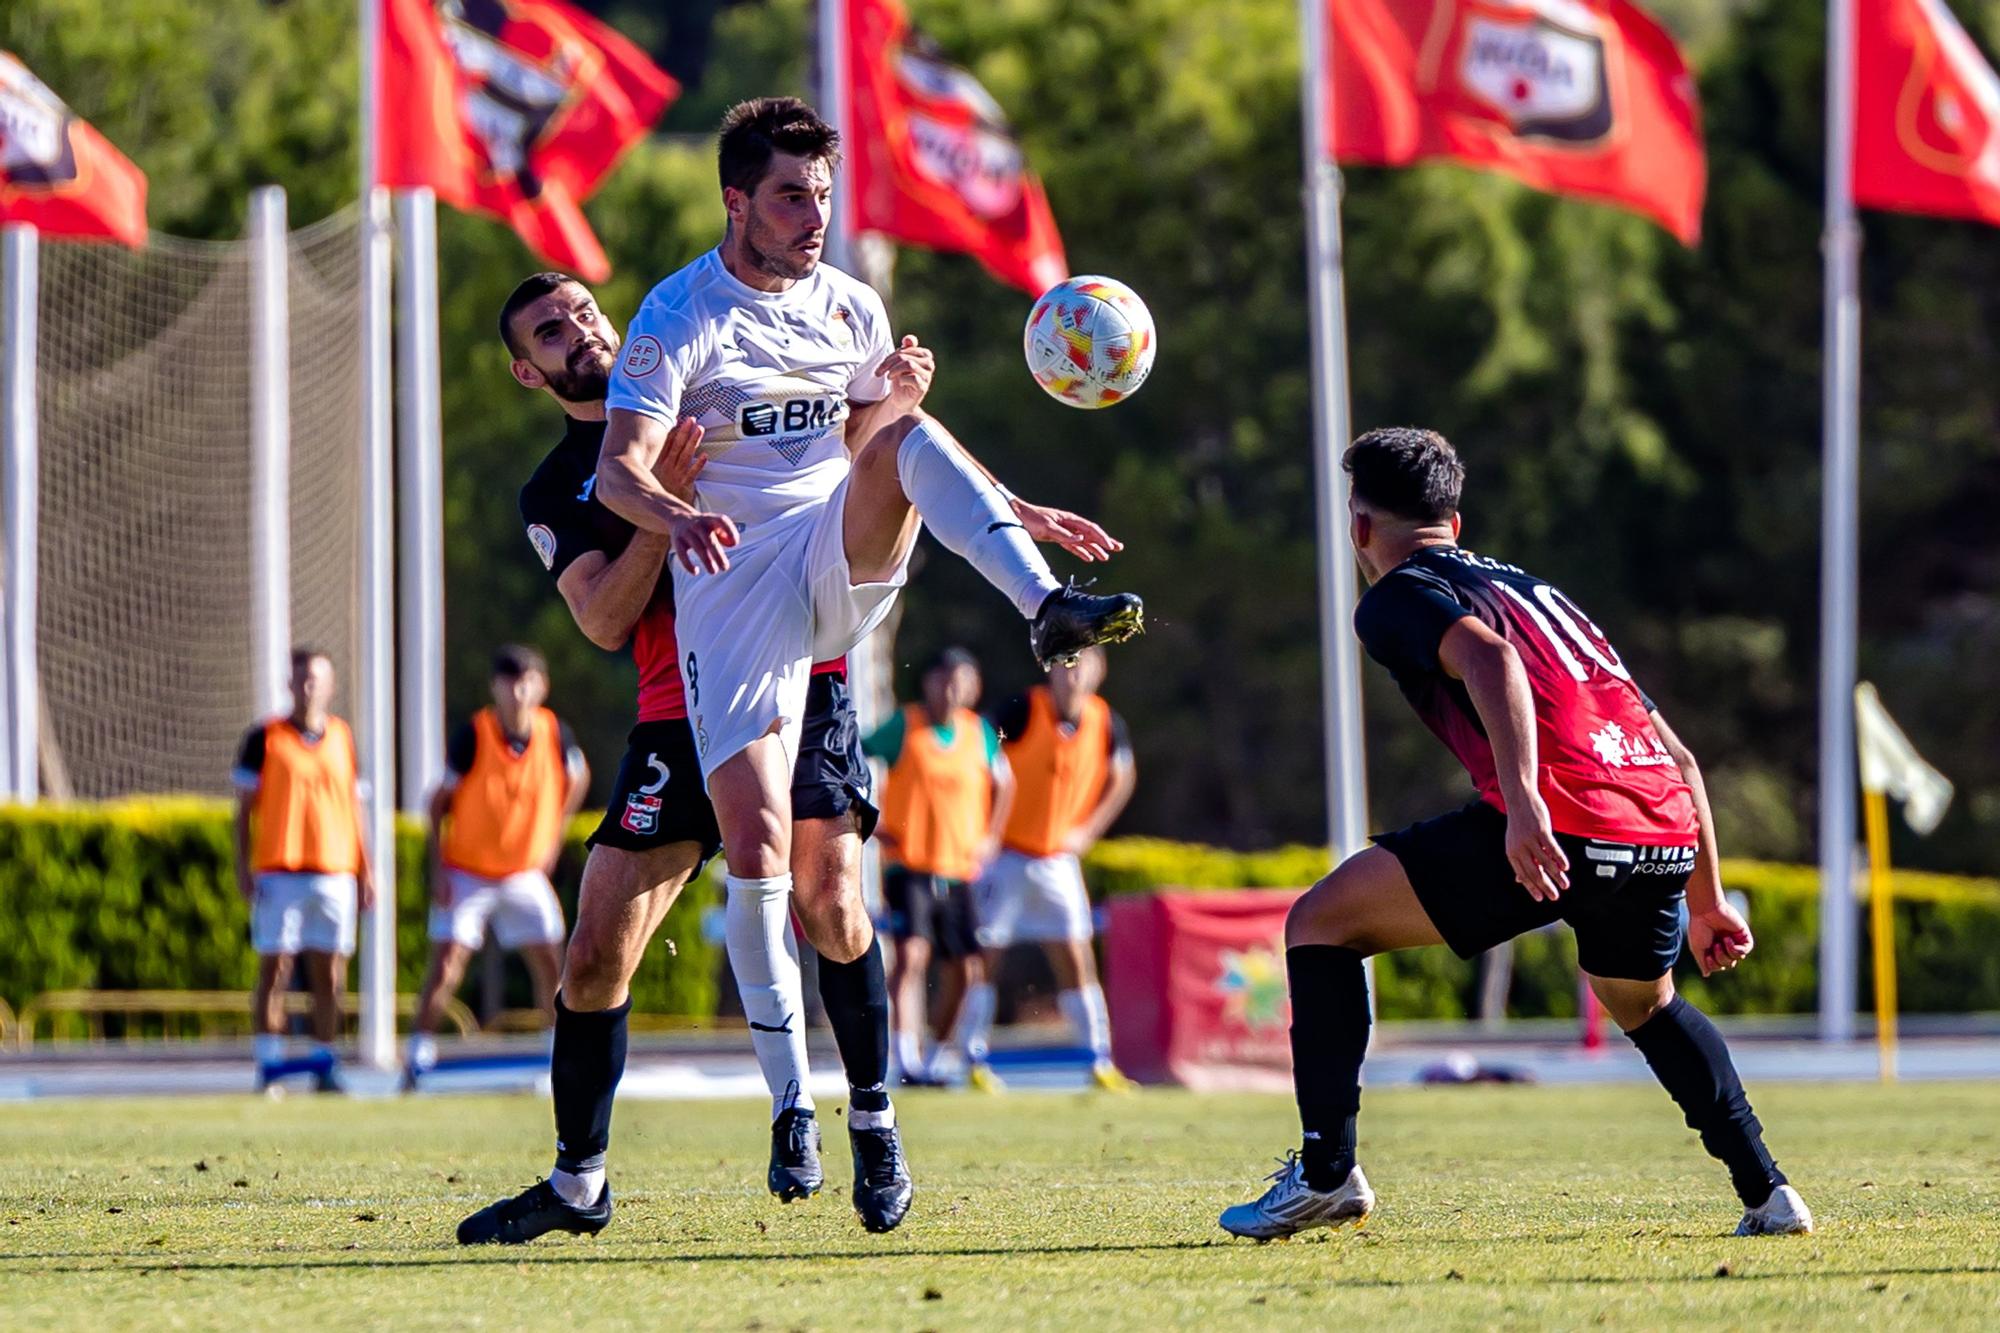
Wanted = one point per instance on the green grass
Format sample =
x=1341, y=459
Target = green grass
x=1499, y=1206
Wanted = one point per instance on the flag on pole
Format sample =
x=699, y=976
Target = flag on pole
x=930, y=157
x=57, y=173
x=1891, y=766
x=1926, y=113
x=516, y=108
x=1579, y=97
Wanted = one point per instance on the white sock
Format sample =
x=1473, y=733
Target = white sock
x=968, y=514
x=974, y=1025
x=758, y=926
x=1085, y=1009
x=883, y=1119
x=423, y=1050
x=909, y=1055
x=267, y=1048
x=578, y=1189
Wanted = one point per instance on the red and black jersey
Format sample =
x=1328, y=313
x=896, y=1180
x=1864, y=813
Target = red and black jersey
x=1603, y=770
x=564, y=520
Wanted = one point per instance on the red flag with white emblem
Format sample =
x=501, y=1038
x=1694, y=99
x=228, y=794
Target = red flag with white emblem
x=931, y=158
x=517, y=108
x=57, y=173
x=1577, y=97
x=1926, y=113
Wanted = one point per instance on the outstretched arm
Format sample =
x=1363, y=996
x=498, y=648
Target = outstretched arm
x=1498, y=685
x=627, y=485
x=1718, y=936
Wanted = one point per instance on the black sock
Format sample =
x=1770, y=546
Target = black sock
x=585, y=1065
x=1329, y=1039
x=1691, y=1061
x=856, y=995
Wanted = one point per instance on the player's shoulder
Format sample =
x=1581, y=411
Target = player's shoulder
x=687, y=299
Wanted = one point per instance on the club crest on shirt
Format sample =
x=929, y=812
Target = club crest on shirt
x=841, y=328
x=642, y=814
x=544, y=541
x=643, y=356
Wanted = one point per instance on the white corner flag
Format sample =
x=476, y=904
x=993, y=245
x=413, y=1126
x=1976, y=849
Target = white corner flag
x=1891, y=766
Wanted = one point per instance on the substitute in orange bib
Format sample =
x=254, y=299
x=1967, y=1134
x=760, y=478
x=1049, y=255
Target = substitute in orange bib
x=1072, y=764
x=513, y=777
x=946, y=799
x=300, y=862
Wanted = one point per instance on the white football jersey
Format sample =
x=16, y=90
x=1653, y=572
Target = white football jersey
x=767, y=374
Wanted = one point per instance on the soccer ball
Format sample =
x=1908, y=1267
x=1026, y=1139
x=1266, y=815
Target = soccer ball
x=1090, y=341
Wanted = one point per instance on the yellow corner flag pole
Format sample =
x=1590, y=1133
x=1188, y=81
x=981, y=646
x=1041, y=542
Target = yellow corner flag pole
x=1882, y=926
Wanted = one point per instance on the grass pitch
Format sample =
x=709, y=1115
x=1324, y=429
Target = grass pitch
x=1499, y=1206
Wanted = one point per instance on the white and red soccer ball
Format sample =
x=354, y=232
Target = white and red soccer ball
x=1090, y=341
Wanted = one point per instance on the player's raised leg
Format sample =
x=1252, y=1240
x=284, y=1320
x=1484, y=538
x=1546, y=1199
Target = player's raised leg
x=625, y=896
x=912, y=466
x=1365, y=907
x=752, y=791
x=1692, y=1062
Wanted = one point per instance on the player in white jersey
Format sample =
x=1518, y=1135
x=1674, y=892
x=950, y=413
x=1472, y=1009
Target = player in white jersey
x=818, y=466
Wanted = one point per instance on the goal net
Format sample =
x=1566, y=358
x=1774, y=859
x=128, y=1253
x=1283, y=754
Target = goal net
x=145, y=592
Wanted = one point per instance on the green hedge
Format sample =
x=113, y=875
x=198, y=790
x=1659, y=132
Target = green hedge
x=143, y=894
x=1947, y=936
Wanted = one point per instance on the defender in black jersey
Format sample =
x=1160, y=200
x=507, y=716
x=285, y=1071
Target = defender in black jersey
x=660, y=827
x=1590, y=811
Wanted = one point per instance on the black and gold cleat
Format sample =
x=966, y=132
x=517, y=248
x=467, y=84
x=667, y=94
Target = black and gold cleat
x=1072, y=620
x=535, y=1211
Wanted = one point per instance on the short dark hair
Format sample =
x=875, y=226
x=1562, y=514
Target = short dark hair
x=304, y=654
x=530, y=290
x=755, y=131
x=1406, y=471
x=514, y=660
x=951, y=659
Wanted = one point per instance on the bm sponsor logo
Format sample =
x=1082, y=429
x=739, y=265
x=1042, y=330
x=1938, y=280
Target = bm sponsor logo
x=792, y=416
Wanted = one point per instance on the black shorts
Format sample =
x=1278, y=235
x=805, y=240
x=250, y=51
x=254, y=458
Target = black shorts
x=930, y=907
x=659, y=797
x=831, y=777
x=1623, y=902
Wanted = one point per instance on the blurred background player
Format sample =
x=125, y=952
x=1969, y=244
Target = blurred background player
x=514, y=776
x=1073, y=773
x=947, y=795
x=659, y=827
x=301, y=865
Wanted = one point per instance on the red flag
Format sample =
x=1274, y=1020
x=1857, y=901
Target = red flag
x=1926, y=113
x=518, y=108
x=1579, y=97
x=931, y=158
x=56, y=172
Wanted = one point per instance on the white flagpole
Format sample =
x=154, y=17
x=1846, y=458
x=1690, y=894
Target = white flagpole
x=21, y=487
x=271, y=449
x=1839, y=525
x=376, y=701
x=1346, y=777
x=420, y=496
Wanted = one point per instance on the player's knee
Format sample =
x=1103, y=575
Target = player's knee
x=1326, y=914
x=1632, y=1004
x=593, y=973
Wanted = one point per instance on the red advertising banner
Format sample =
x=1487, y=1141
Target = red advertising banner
x=1196, y=987
x=1926, y=113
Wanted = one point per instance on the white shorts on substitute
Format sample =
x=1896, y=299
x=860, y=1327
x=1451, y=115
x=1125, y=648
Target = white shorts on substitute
x=297, y=911
x=749, y=635
x=1032, y=898
x=520, y=909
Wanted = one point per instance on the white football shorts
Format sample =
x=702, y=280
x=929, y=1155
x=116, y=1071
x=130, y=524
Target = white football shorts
x=1036, y=898
x=520, y=910
x=297, y=911
x=749, y=635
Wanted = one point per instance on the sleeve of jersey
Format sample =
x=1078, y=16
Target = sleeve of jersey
x=249, y=769
x=876, y=344
x=886, y=741
x=556, y=528
x=651, y=373
x=462, y=750
x=1403, y=619
x=992, y=742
